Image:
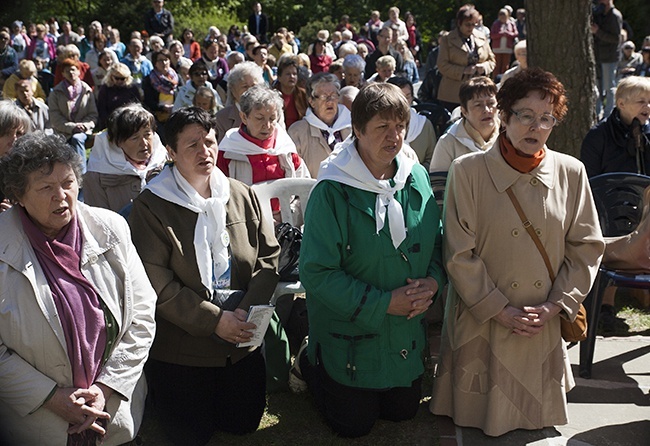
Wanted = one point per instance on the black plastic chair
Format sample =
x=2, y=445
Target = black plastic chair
x=619, y=201
x=437, y=114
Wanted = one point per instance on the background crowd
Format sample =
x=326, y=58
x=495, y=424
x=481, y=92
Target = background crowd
x=171, y=127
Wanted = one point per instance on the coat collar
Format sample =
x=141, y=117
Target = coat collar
x=455, y=39
x=503, y=176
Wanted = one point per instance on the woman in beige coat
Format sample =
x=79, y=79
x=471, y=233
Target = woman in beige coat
x=503, y=364
x=325, y=124
x=476, y=131
x=464, y=53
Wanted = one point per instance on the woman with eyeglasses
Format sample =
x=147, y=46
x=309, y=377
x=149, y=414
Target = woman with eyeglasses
x=464, y=53
x=504, y=365
x=326, y=122
x=116, y=91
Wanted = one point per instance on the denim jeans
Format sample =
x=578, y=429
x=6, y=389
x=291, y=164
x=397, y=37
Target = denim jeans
x=78, y=143
x=608, y=87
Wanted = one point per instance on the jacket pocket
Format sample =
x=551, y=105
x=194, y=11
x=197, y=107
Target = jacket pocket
x=352, y=350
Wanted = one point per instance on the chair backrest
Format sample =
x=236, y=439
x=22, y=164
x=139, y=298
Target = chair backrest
x=438, y=183
x=437, y=114
x=285, y=189
x=619, y=200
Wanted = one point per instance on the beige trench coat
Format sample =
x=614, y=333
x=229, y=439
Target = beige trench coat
x=452, y=60
x=311, y=145
x=490, y=378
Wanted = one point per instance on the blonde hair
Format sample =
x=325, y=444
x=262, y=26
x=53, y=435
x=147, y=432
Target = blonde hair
x=27, y=65
x=121, y=70
x=631, y=86
x=385, y=62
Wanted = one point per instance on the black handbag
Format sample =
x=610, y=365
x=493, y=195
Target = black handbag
x=290, y=238
x=227, y=300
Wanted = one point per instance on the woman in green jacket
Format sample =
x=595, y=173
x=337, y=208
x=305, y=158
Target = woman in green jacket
x=371, y=265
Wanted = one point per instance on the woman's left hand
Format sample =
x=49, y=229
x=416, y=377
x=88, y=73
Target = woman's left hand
x=424, y=284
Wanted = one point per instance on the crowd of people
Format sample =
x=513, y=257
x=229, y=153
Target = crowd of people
x=171, y=133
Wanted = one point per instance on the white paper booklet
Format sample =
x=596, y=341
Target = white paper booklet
x=260, y=315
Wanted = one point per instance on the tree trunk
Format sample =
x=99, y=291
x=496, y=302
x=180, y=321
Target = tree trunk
x=559, y=41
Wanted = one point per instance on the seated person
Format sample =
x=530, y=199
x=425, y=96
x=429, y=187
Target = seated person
x=124, y=158
x=621, y=142
x=326, y=122
x=198, y=232
x=420, y=135
x=26, y=70
x=260, y=149
x=476, y=131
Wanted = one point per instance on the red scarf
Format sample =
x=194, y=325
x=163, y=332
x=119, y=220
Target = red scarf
x=516, y=159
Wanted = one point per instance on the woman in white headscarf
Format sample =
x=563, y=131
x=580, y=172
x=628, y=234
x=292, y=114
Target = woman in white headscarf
x=325, y=124
x=201, y=236
x=127, y=155
x=371, y=264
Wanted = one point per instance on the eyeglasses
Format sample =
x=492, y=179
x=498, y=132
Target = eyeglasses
x=527, y=117
x=119, y=78
x=201, y=73
x=328, y=97
x=4, y=38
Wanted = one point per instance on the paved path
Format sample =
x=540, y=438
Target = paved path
x=611, y=409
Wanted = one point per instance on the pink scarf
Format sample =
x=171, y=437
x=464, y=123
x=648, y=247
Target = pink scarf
x=77, y=304
x=73, y=92
x=164, y=83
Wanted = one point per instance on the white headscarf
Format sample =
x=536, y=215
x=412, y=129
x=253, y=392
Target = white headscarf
x=345, y=166
x=211, y=239
x=416, y=124
x=343, y=121
x=107, y=158
x=234, y=142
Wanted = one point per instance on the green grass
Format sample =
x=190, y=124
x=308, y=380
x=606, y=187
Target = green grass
x=292, y=419
x=632, y=318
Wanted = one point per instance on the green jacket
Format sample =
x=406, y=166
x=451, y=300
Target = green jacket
x=349, y=272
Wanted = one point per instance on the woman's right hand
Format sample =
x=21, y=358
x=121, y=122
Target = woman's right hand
x=68, y=403
x=469, y=70
x=232, y=326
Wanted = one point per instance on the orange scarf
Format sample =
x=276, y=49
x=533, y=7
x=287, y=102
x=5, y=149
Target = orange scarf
x=516, y=159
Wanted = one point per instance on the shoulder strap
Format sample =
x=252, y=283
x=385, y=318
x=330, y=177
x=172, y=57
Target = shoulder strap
x=529, y=228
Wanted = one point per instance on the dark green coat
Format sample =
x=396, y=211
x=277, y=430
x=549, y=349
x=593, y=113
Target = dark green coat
x=349, y=272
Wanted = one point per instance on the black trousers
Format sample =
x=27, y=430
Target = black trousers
x=352, y=411
x=191, y=403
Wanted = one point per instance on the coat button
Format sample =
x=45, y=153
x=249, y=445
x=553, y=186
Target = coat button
x=515, y=232
x=92, y=258
x=534, y=182
x=514, y=285
x=538, y=232
x=539, y=284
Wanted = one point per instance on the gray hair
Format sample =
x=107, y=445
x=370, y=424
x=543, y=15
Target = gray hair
x=13, y=117
x=237, y=75
x=354, y=61
x=174, y=43
x=347, y=49
x=31, y=153
x=321, y=78
x=260, y=96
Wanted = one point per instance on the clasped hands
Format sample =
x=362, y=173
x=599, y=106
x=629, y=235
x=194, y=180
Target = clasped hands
x=81, y=407
x=528, y=321
x=414, y=298
x=232, y=326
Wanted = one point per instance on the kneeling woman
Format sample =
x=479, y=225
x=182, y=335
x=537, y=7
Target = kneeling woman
x=198, y=232
x=371, y=264
x=77, y=316
x=127, y=155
